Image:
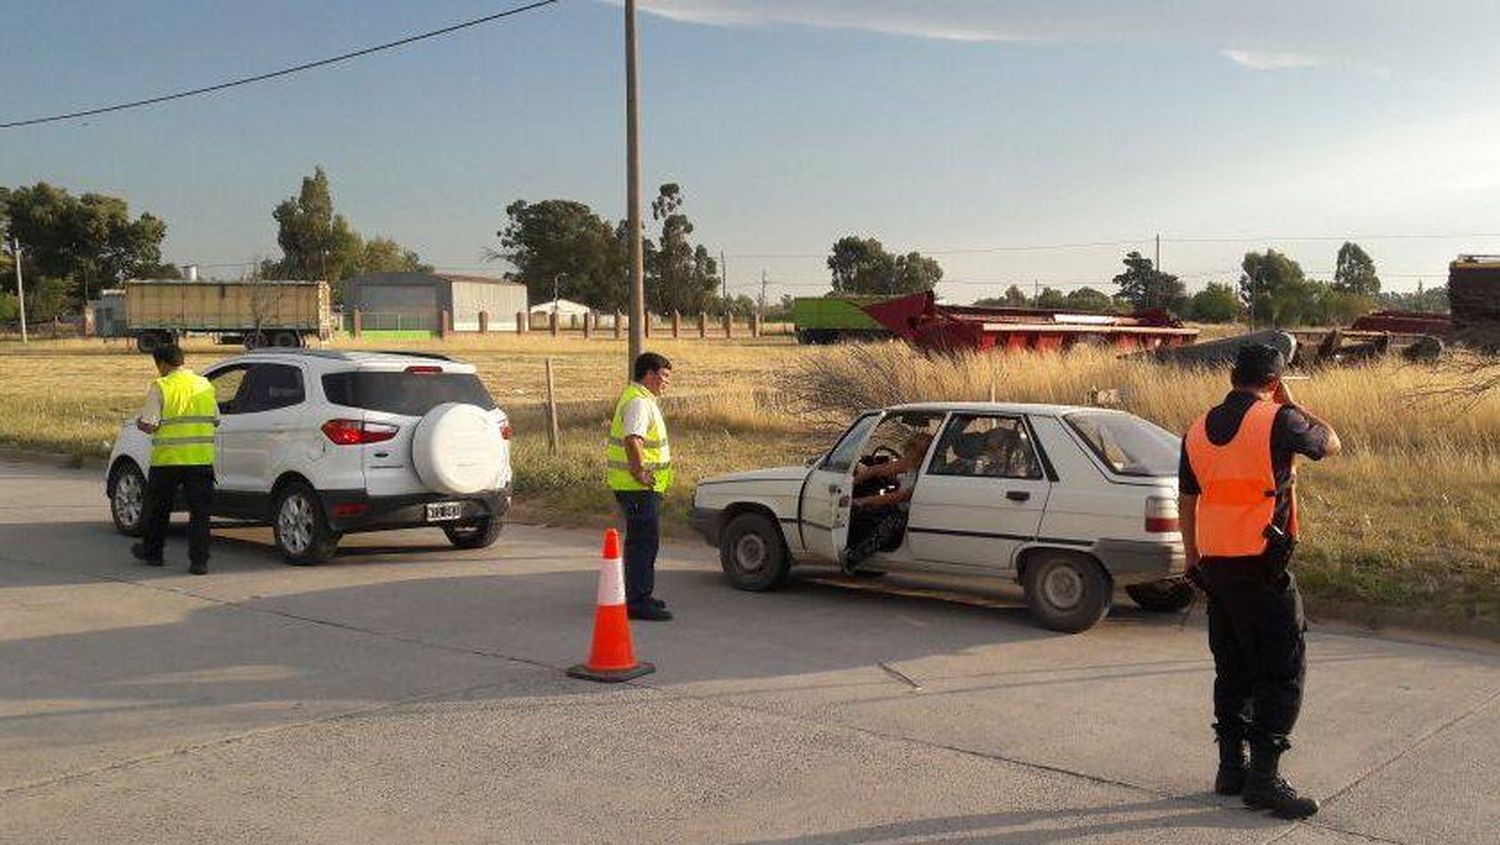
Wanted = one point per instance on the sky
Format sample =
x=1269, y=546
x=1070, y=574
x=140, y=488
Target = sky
x=1028, y=142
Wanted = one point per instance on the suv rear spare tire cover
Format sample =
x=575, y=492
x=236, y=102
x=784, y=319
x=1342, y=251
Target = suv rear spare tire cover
x=456, y=450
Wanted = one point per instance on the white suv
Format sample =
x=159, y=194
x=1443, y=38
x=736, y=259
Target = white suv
x=320, y=443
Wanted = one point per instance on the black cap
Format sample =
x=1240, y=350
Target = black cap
x=1256, y=364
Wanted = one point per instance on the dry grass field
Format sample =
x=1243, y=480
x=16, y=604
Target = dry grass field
x=1404, y=528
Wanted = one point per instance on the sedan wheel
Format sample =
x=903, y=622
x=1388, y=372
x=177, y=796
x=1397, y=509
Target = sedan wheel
x=127, y=504
x=753, y=554
x=1067, y=591
x=302, y=533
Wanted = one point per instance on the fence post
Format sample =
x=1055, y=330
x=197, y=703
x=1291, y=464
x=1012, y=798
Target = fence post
x=359, y=322
x=588, y=325
x=646, y=324
x=551, y=412
x=619, y=324
x=552, y=323
x=755, y=325
x=728, y=325
x=484, y=322
x=447, y=326
x=522, y=322
x=703, y=324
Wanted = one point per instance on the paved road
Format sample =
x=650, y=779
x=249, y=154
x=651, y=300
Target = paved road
x=409, y=693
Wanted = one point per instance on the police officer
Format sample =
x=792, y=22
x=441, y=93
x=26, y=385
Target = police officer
x=1239, y=521
x=639, y=472
x=180, y=415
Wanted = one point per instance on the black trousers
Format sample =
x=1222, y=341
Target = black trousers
x=1255, y=630
x=161, y=491
x=642, y=512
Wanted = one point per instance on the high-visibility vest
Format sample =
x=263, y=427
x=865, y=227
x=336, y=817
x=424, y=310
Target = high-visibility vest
x=1238, y=484
x=656, y=454
x=189, y=415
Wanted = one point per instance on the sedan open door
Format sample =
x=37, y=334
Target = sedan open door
x=825, y=501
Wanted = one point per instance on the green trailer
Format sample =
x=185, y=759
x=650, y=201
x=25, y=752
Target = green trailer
x=832, y=319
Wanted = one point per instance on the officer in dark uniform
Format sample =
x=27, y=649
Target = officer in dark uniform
x=1239, y=524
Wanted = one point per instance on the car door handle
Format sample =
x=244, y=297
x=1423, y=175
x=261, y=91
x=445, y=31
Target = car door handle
x=834, y=488
x=1017, y=495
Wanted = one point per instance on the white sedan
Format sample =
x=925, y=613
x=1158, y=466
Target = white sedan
x=1071, y=502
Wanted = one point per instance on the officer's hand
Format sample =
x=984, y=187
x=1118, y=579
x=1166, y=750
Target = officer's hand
x=1283, y=394
x=647, y=478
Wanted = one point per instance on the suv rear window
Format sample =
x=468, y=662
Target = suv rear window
x=1128, y=445
x=409, y=394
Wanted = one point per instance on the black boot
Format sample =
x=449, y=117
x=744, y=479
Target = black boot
x=1231, y=777
x=1266, y=790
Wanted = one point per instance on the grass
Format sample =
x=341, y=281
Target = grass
x=1404, y=528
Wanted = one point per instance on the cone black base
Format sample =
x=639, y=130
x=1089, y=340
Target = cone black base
x=609, y=676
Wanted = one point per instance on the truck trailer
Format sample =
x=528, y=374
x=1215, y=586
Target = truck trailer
x=256, y=313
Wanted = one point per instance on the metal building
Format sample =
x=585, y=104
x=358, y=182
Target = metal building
x=415, y=301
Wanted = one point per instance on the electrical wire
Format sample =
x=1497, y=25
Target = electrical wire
x=278, y=73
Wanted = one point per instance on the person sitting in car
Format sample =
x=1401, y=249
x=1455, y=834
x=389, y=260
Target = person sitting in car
x=885, y=513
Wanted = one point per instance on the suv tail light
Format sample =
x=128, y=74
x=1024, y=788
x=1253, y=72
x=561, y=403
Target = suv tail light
x=424, y=368
x=1161, y=515
x=357, y=432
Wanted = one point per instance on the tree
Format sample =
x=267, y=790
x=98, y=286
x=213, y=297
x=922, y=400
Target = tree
x=863, y=266
x=315, y=242
x=84, y=243
x=564, y=242
x=1147, y=288
x=1274, y=288
x=1216, y=303
x=679, y=276
x=384, y=255
x=1052, y=298
x=1354, y=271
x=1088, y=299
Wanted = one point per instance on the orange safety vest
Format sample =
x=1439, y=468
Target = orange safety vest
x=1238, y=484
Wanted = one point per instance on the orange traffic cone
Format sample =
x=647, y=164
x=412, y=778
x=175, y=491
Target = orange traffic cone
x=611, y=657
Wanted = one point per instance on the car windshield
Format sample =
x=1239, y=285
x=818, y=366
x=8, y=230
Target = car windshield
x=1127, y=444
x=409, y=394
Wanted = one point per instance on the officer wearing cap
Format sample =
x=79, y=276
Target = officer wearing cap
x=1238, y=505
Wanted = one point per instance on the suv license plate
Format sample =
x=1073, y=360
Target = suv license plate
x=445, y=511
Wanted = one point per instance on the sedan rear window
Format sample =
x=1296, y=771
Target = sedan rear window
x=409, y=394
x=1126, y=444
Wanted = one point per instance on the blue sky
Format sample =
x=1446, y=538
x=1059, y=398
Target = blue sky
x=962, y=129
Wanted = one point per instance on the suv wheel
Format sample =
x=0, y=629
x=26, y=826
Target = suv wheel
x=479, y=534
x=1167, y=596
x=753, y=554
x=127, y=499
x=1067, y=592
x=302, y=532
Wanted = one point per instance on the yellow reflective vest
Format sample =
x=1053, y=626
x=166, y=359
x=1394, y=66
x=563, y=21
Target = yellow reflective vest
x=656, y=454
x=189, y=415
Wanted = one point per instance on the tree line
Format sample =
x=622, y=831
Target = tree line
x=75, y=246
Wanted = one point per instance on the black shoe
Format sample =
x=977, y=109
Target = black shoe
x=656, y=602
x=1267, y=790
x=1231, y=777
x=649, y=612
x=198, y=569
x=138, y=550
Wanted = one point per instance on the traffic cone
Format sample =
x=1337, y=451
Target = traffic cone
x=611, y=657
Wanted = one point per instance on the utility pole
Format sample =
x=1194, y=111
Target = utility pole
x=633, y=193
x=15, y=254
x=1158, y=252
x=762, y=292
x=724, y=275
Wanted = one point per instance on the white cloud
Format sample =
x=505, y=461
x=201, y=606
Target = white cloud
x=1262, y=60
x=1360, y=35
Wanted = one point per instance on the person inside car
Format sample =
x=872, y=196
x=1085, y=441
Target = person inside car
x=885, y=513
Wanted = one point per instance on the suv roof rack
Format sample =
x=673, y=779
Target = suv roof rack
x=347, y=354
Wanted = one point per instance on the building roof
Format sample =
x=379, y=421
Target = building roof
x=563, y=306
x=422, y=277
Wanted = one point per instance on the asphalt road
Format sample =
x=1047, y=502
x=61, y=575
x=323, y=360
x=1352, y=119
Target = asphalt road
x=409, y=693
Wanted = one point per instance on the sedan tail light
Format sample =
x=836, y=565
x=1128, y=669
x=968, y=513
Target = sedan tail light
x=1161, y=515
x=357, y=432
x=506, y=431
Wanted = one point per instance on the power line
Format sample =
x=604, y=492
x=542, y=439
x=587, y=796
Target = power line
x=284, y=72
